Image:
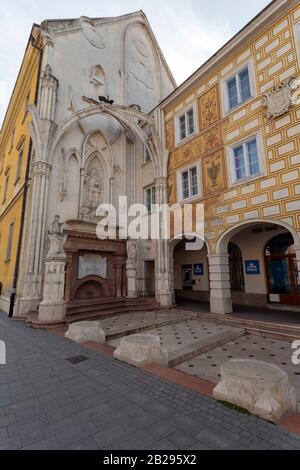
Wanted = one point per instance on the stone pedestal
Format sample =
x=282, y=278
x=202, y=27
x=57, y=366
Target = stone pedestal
x=220, y=300
x=131, y=283
x=261, y=388
x=53, y=306
x=83, y=332
x=131, y=269
x=141, y=350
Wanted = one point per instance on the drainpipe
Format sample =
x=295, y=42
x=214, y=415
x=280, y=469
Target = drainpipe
x=22, y=223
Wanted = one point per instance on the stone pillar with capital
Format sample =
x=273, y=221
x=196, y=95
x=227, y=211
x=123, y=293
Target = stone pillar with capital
x=220, y=292
x=53, y=306
x=164, y=294
x=297, y=252
x=131, y=269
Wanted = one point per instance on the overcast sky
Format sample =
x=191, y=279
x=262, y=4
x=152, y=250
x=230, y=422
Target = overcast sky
x=188, y=31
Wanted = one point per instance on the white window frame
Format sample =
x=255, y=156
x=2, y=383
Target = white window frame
x=230, y=158
x=153, y=197
x=224, y=86
x=179, y=140
x=179, y=183
x=297, y=40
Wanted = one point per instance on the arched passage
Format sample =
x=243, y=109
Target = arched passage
x=259, y=270
x=189, y=269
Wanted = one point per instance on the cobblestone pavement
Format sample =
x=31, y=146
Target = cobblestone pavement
x=208, y=365
x=48, y=403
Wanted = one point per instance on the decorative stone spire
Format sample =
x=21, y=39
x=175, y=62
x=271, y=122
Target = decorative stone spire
x=48, y=94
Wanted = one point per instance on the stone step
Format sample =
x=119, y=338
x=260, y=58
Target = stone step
x=195, y=349
x=276, y=330
x=138, y=328
x=99, y=315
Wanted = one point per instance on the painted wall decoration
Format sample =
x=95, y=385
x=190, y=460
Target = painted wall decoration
x=213, y=173
x=170, y=135
x=209, y=109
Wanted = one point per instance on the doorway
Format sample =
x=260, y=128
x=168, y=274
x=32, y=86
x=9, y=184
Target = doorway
x=282, y=272
x=149, y=278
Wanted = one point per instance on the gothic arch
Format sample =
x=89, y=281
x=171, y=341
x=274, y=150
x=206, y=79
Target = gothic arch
x=131, y=119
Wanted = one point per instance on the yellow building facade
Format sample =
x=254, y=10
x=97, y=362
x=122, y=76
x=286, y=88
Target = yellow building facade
x=15, y=149
x=233, y=136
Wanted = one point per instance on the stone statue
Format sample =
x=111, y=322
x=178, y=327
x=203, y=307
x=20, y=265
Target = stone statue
x=57, y=239
x=92, y=198
x=131, y=254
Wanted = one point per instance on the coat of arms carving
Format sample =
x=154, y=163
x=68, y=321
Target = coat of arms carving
x=280, y=98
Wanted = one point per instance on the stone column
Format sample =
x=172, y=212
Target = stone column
x=131, y=268
x=164, y=293
x=53, y=306
x=220, y=292
x=297, y=251
x=118, y=268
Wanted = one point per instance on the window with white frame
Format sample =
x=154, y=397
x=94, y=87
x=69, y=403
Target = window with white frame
x=186, y=124
x=150, y=198
x=238, y=89
x=245, y=160
x=189, y=183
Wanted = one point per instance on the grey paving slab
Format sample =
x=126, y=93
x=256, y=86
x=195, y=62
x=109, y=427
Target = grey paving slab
x=48, y=403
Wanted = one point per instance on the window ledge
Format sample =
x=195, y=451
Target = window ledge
x=247, y=180
x=239, y=106
x=190, y=199
x=186, y=140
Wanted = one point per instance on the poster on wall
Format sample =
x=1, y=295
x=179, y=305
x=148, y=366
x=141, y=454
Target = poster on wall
x=252, y=267
x=199, y=269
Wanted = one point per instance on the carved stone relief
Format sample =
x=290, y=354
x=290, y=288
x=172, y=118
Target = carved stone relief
x=89, y=31
x=280, y=98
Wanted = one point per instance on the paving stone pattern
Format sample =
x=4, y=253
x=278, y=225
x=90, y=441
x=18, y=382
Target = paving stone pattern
x=48, y=403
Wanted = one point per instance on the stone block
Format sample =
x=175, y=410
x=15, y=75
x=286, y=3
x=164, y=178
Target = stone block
x=261, y=388
x=83, y=332
x=141, y=350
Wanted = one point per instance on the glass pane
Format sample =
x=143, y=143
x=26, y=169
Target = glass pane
x=185, y=185
x=194, y=182
x=232, y=93
x=148, y=200
x=253, y=158
x=279, y=274
x=191, y=126
x=297, y=276
x=182, y=127
x=245, y=85
x=187, y=277
x=153, y=196
x=239, y=163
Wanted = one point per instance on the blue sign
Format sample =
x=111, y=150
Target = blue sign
x=253, y=267
x=199, y=269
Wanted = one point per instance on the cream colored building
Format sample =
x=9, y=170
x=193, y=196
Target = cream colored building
x=233, y=135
